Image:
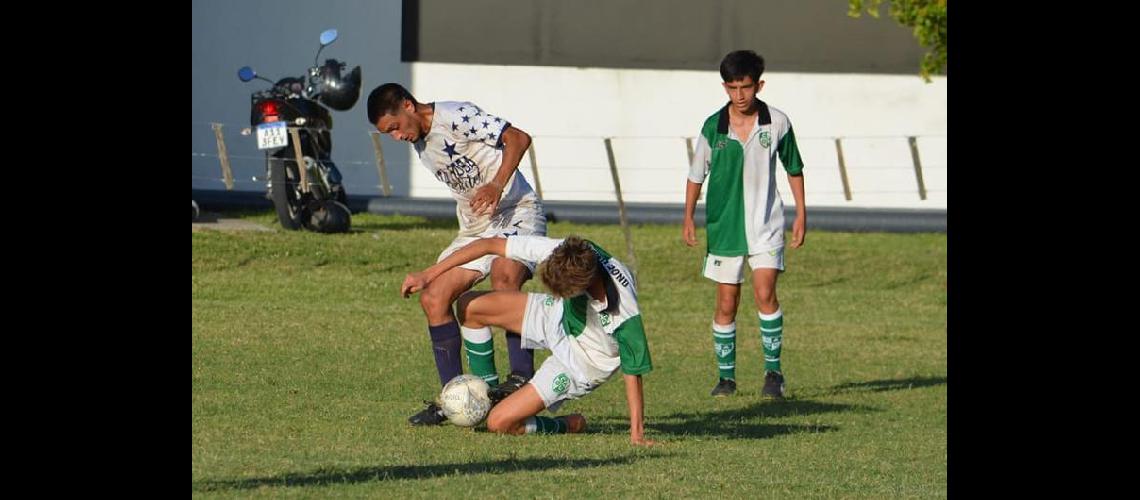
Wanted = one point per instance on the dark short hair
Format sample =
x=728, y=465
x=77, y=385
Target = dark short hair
x=387, y=99
x=741, y=63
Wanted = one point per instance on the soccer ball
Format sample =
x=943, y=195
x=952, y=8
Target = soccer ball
x=464, y=400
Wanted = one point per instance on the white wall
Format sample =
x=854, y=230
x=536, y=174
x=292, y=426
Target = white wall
x=649, y=113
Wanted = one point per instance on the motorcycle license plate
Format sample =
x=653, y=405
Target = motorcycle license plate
x=272, y=135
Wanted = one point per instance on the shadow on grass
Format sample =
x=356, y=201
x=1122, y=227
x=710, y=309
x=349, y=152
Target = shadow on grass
x=736, y=422
x=888, y=385
x=333, y=476
x=374, y=225
x=268, y=217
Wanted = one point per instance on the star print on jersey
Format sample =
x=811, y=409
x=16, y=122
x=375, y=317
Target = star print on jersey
x=484, y=127
x=449, y=148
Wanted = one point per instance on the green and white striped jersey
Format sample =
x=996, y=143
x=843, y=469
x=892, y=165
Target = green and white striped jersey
x=744, y=212
x=603, y=335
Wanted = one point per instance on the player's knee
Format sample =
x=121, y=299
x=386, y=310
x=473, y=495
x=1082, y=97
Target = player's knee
x=726, y=306
x=508, y=277
x=766, y=297
x=502, y=282
x=433, y=303
x=499, y=422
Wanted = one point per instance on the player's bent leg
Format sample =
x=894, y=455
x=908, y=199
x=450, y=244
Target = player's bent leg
x=437, y=297
x=502, y=309
x=508, y=416
x=509, y=275
x=478, y=311
x=518, y=414
x=446, y=341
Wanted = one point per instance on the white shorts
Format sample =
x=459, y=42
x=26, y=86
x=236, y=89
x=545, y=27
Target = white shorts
x=731, y=269
x=525, y=221
x=558, y=379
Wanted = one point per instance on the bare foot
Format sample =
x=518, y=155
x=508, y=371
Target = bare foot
x=575, y=423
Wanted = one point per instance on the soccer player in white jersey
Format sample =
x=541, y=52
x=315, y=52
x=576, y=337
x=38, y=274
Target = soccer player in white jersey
x=590, y=322
x=476, y=154
x=737, y=151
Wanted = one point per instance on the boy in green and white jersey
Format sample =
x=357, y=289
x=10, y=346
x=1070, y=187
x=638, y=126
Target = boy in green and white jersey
x=737, y=151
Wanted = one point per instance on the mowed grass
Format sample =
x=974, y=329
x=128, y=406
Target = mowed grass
x=306, y=364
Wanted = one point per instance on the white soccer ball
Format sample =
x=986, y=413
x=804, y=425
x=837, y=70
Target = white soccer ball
x=464, y=400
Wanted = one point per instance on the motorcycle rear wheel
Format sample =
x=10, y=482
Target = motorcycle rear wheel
x=285, y=189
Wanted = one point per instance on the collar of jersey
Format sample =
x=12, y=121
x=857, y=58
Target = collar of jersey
x=765, y=116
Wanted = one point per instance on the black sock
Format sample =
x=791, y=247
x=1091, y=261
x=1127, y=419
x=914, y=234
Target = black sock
x=445, y=344
x=522, y=360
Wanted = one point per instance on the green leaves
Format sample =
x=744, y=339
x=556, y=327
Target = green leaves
x=926, y=17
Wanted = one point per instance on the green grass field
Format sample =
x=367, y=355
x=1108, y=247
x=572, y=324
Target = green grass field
x=307, y=362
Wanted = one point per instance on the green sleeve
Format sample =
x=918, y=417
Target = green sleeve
x=633, y=348
x=790, y=153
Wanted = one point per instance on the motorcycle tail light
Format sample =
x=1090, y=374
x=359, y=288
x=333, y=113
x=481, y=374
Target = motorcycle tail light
x=269, y=108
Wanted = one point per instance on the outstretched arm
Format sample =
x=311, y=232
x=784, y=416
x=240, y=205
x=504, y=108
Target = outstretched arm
x=415, y=282
x=634, y=397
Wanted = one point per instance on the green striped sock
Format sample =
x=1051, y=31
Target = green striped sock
x=480, y=353
x=772, y=336
x=724, y=346
x=546, y=425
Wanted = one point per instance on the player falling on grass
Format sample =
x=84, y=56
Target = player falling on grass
x=590, y=322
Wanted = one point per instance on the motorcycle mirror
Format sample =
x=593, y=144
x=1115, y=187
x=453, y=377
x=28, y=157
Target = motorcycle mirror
x=246, y=73
x=327, y=37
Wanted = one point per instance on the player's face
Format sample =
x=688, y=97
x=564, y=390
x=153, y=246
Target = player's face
x=402, y=125
x=742, y=92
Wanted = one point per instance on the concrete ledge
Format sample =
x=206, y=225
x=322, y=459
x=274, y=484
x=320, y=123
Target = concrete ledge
x=890, y=220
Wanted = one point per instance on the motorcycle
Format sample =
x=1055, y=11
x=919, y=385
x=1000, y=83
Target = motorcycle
x=308, y=193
